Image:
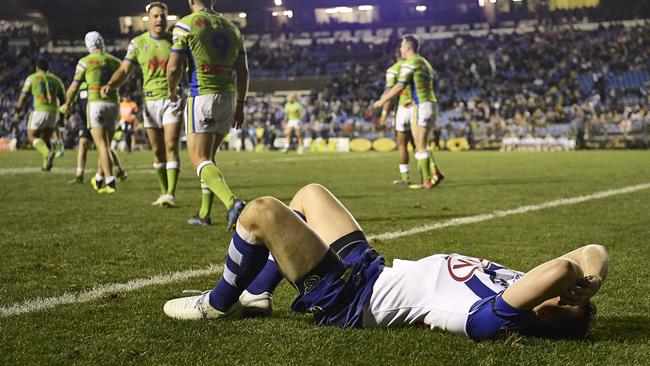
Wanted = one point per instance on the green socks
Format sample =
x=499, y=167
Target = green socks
x=41, y=147
x=172, y=177
x=162, y=176
x=211, y=175
x=206, y=200
x=424, y=162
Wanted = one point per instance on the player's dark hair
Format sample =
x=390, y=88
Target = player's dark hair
x=43, y=64
x=563, y=327
x=413, y=41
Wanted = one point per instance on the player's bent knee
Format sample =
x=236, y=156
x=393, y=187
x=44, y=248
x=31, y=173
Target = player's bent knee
x=261, y=211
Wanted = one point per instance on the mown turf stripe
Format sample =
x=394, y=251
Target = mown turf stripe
x=98, y=292
x=104, y=290
x=514, y=211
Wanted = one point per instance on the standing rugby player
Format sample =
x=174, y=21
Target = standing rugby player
x=162, y=117
x=214, y=49
x=47, y=92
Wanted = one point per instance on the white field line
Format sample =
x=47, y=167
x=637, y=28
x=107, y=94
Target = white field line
x=39, y=304
x=146, y=169
x=106, y=290
x=514, y=211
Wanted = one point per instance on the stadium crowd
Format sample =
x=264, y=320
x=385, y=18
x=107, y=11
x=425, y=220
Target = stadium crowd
x=554, y=82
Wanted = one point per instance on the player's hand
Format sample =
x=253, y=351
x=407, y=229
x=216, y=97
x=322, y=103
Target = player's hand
x=172, y=96
x=378, y=104
x=239, y=116
x=580, y=293
x=105, y=90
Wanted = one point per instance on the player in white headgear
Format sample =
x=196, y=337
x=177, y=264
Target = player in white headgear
x=95, y=69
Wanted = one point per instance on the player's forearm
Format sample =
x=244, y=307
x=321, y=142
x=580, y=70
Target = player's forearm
x=120, y=75
x=21, y=101
x=174, y=70
x=543, y=282
x=392, y=93
x=242, y=83
x=71, y=93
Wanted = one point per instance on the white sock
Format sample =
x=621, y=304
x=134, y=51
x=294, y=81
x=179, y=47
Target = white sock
x=403, y=168
x=80, y=171
x=99, y=177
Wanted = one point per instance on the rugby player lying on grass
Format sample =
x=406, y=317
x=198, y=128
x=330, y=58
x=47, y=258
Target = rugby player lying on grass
x=321, y=250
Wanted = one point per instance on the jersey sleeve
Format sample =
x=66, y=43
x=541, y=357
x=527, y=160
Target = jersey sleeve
x=28, y=85
x=132, y=52
x=179, y=38
x=80, y=71
x=405, y=73
x=391, y=78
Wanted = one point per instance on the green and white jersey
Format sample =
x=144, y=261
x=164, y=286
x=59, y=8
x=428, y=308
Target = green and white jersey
x=46, y=89
x=151, y=54
x=96, y=70
x=212, y=45
x=417, y=74
x=392, y=74
x=293, y=110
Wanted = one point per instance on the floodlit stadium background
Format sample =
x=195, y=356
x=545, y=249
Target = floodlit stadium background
x=83, y=277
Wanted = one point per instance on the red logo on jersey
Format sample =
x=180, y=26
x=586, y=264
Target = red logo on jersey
x=200, y=22
x=158, y=63
x=462, y=269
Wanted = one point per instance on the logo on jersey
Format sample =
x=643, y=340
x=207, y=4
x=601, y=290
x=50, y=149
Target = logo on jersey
x=462, y=268
x=311, y=281
x=200, y=22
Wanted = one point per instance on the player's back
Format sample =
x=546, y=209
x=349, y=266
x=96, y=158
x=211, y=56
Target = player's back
x=96, y=70
x=422, y=81
x=212, y=44
x=46, y=89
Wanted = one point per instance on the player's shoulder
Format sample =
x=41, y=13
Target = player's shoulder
x=31, y=76
x=396, y=66
x=139, y=39
x=54, y=77
x=421, y=60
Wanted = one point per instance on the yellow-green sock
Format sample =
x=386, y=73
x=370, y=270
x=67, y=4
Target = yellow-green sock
x=212, y=177
x=424, y=163
x=41, y=147
x=172, y=177
x=206, y=200
x=162, y=176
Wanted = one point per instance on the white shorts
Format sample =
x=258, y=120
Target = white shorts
x=210, y=113
x=102, y=114
x=158, y=113
x=293, y=123
x=403, y=119
x=426, y=114
x=39, y=120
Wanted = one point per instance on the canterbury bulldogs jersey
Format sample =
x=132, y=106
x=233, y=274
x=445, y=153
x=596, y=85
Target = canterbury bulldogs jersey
x=434, y=292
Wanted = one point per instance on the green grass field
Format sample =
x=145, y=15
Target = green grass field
x=57, y=238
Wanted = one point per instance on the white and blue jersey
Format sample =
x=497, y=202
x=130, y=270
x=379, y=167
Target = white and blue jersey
x=452, y=292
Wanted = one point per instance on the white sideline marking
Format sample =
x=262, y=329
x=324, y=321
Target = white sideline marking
x=148, y=170
x=104, y=290
x=514, y=211
x=39, y=304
